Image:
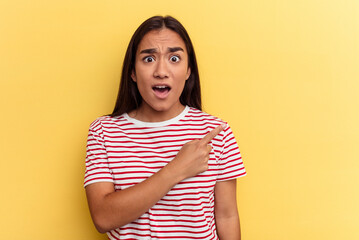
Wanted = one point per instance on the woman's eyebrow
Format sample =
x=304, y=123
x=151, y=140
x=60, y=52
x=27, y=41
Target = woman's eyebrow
x=150, y=50
x=175, y=49
x=154, y=50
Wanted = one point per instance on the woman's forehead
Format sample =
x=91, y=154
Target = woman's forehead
x=161, y=39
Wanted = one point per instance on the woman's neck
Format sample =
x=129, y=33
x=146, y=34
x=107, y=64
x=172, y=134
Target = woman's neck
x=148, y=114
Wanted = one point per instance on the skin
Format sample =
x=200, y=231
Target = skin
x=225, y=208
x=162, y=59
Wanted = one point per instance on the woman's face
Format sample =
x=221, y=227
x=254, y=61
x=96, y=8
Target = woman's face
x=161, y=70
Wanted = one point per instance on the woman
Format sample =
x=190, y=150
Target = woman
x=158, y=167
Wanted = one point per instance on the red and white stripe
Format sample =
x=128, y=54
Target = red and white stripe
x=126, y=151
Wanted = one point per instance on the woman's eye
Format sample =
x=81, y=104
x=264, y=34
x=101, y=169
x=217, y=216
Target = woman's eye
x=175, y=59
x=148, y=59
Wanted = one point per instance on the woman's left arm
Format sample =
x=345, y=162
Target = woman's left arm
x=225, y=210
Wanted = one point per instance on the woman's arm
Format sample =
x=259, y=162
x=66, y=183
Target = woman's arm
x=111, y=209
x=225, y=211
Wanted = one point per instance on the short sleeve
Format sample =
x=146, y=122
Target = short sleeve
x=230, y=162
x=97, y=167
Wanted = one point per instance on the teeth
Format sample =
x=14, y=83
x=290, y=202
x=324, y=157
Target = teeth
x=160, y=86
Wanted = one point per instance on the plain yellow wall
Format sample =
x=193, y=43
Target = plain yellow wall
x=284, y=74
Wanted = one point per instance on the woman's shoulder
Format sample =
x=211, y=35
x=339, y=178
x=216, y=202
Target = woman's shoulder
x=107, y=120
x=196, y=117
x=199, y=115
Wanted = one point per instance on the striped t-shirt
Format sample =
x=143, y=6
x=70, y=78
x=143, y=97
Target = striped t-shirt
x=126, y=151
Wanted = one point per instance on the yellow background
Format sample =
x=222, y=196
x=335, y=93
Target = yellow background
x=284, y=74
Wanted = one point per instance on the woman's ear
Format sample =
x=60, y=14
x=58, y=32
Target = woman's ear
x=188, y=73
x=133, y=76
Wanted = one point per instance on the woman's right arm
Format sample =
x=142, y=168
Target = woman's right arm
x=112, y=209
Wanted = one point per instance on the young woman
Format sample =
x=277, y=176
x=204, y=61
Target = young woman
x=158, y=167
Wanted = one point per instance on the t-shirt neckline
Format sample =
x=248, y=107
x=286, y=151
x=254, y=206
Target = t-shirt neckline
x=157, y=124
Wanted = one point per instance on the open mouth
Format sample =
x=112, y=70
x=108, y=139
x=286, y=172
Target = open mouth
x=161, y=88
x=161, y=91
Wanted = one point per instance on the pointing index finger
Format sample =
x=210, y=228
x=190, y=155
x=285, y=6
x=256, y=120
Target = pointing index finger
x=206, y=139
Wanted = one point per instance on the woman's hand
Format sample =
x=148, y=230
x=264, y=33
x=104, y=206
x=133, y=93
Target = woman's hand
x=193, y=157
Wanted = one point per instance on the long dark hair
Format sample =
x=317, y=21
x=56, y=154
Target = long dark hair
x=129, y=98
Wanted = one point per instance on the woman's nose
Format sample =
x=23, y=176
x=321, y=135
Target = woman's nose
x=161, y=70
